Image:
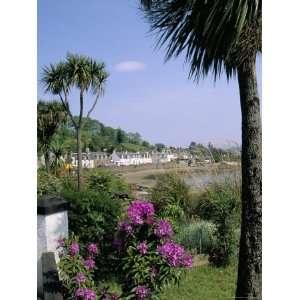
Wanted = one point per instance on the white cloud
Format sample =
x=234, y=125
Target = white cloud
x=130, y=66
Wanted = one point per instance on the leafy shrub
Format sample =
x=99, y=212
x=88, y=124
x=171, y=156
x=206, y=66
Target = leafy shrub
x=197, y=235
x=76, y=268
x=93, y=217
x=69, y=182
x=173, y=213
x=170, y=189
x=221, y=200
x=47, y=184
x=221, y=204
x=104, y=180
x=148, y=258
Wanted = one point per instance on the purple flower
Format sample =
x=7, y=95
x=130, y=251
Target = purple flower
x=163, y=229
x=125, y=226
x=61, y=242
x=89, y=294
x=142, y=292
x=187, y=261
x=89, y=263
x=79, y=293
x=143, y=248
x=80, y=277
x=92, y=249
x=140, y=212
x=172, y=252
x=74, y=248
x=114, y=296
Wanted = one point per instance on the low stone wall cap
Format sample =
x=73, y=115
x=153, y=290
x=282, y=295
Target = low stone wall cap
x=51, y=204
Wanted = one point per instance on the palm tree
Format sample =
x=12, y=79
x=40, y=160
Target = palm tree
x=49, y=116
x=80, y=72
x=217, y=36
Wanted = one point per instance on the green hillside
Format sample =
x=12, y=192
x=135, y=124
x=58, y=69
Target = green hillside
x=98, y=137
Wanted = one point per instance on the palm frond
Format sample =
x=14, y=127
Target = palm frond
x=209, y=33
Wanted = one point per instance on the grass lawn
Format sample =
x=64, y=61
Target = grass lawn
x=200, y=283
x=204, y=283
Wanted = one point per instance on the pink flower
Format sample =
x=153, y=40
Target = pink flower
x=163, y=229
x=187, y=261
x=89, y=294
x=79, y=293
x=143, y=248
x=92, y=249
x=61, y=242
x=89, y=263
x=74, y=248
x=80, y=277
x=142, y=292
x=140, y=211
x=172, y=252
x=125, y=226
x=114, y=296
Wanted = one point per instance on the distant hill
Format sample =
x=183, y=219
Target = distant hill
x=98, y=137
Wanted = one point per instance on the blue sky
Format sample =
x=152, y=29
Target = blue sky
x=143, y=94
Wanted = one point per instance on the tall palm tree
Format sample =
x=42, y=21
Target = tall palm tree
x=224, y=35
x=83, y=73
x=49, y=116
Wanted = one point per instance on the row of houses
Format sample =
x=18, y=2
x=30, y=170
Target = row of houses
x=95, y=159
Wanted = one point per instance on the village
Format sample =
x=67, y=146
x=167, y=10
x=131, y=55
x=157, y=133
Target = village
x=92, y=160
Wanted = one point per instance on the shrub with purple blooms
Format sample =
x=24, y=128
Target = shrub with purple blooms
x=148, y=257
x=76, y=268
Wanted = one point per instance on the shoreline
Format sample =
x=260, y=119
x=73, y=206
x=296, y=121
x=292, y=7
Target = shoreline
x=146, y=177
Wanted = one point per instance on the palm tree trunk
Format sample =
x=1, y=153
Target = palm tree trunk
x=47, y=161
x=250, y=255
x=79, y=158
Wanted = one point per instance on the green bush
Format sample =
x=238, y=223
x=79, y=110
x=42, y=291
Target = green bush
x=221, y=204
x=170, y=189
x=47, y=184
x=93, y=217
x=105, y=180
x=197, y=236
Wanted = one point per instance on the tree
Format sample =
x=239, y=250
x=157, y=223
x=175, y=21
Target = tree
x=192, y=145
x=120, y=136
x=134, y=138
x=49, y=116
x=159, y=147
x=83, y=73
x=217, y=36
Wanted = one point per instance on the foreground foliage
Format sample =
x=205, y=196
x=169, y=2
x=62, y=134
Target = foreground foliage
x=93, y=217
x=48, y=184
x=76, y=267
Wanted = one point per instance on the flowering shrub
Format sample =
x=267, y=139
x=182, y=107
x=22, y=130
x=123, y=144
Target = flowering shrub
x=148, y=257
x=76, y=269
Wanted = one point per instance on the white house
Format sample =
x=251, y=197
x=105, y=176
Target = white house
x=128, y=159
x=163, y=157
